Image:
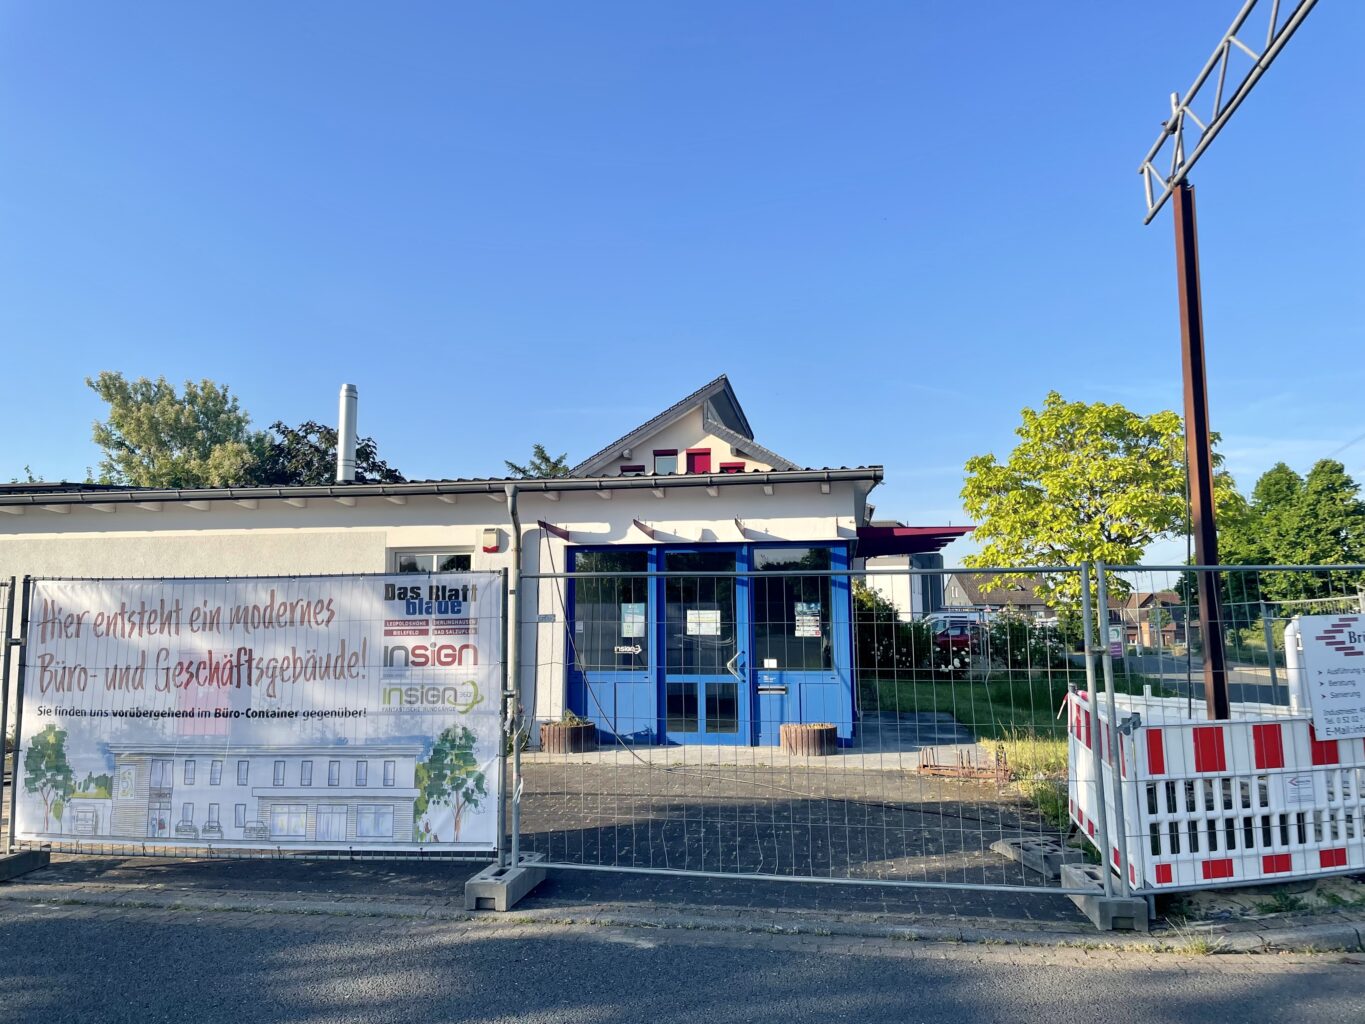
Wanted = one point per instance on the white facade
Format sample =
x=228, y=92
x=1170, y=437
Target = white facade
x=352, y=529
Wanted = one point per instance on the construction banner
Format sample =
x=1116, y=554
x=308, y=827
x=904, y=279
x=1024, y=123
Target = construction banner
x=300, y=713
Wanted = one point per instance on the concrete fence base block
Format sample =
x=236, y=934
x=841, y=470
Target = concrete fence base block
x=12, y=865
x=501, y=888
x=1107, y=913
x=1045, y=856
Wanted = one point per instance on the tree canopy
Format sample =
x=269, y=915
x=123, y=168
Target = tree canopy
x=540, y=466
x=306, y=454
x=1086, y=482
x=48, y=773
x=156, y=437
x=201, y=437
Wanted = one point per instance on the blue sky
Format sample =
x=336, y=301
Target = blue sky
x=892, y=224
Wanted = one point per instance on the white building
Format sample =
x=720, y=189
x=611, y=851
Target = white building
x=695, y=659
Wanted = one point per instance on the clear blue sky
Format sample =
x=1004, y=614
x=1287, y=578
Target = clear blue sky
x=892, y=224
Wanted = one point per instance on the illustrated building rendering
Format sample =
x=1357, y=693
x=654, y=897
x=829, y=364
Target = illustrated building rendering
x=280, y=794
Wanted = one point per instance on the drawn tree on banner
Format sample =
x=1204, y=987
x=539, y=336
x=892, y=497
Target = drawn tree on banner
x=451, y=775
x=48, y=773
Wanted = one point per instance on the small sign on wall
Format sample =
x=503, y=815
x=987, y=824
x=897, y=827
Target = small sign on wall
x=1334, y=673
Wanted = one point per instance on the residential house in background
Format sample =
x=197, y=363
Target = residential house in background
x=1016, y=596
x=1153, y=619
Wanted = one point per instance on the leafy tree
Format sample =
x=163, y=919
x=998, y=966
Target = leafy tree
x=155, y=437
x=48, y=773
x=1086, y=482
x=451, y=775
x=540, y=465
x=306, y=454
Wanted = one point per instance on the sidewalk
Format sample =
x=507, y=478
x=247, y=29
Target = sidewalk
x=434, y=891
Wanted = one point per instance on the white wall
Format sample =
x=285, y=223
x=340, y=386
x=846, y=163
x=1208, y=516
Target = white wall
x=327, y=537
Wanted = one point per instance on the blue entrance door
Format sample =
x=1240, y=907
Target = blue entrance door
x=706, y=693
x=612, y=678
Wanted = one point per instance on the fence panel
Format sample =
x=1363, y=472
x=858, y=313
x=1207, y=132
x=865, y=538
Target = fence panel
x=325, y=716
x=783, y=716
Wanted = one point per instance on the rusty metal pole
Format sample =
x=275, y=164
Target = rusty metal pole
x=1198, y=453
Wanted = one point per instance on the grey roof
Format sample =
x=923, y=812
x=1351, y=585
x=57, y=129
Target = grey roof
x=722, y=415
x=44, y=497
x=1009, y=593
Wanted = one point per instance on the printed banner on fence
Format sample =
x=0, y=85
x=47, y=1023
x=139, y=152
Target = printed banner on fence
x=1334, y=667
x=352, y=712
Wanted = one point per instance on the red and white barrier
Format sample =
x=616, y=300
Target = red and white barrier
x=1256, y=798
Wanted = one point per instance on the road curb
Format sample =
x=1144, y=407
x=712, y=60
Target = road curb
x=1344, y=935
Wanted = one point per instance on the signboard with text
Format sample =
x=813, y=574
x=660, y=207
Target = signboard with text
x=299, y=713
x=1334, y=673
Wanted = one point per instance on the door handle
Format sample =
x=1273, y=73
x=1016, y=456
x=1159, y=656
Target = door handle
x=730, y=666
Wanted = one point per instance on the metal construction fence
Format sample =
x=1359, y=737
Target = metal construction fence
x=794, y=721
x=783, y=717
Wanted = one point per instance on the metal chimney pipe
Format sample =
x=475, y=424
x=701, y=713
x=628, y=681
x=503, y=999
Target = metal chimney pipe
x=346, y=434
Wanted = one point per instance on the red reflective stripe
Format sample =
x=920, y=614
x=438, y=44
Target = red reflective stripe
x=1324, y=751
x=1269, y=743
x=1275, y=863
x=1333, y=858
x=1116, y=856
x=1156, y=753
x=1085, y=718
x=1209, y=755
x=1217, y=868
x=1163, y=874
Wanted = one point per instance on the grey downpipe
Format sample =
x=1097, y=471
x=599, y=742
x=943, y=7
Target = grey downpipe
x=512, y=695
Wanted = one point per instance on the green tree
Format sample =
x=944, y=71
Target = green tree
x=155, y=437
x=1086, y=482
x=306, y=454
x=48, y=773
x=540, y=465
x=451, y=775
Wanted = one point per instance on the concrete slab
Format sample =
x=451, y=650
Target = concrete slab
x=1041, y=854
x=1107, y=913
x=500, y=888
x=12, y=865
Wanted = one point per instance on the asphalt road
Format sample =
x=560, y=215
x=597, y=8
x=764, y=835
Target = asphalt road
x=71, y=963
x=1246, y=683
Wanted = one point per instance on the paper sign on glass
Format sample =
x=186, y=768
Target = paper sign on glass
x=633, y=620
x=703, y=622
x=807, y=618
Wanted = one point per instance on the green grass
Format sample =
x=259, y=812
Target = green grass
x=1013, y=708
x=1005, y=705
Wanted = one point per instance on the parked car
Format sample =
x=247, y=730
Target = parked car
x=211, y=830
x=186, y=830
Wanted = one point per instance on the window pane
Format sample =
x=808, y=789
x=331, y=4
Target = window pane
x=611, y=613
x=213, y=814
x=189, y=772
x=334, y=773
x=407, y=562
x=700, y=612
x=452, y=563
x=390, y=771
x=362, y=773
x=215, y=773
x=243, y=770
x=722, y=707
x=665, y=464
x=239, y=815
x=682, y=707
x=306, y=773
x=279, y=773
x=792, y=613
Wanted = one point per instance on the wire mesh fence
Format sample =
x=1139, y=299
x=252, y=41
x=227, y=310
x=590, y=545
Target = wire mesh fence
x=786, y=716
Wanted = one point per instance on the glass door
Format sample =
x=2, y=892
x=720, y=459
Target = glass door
x=611, y=682
x=706, y=694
